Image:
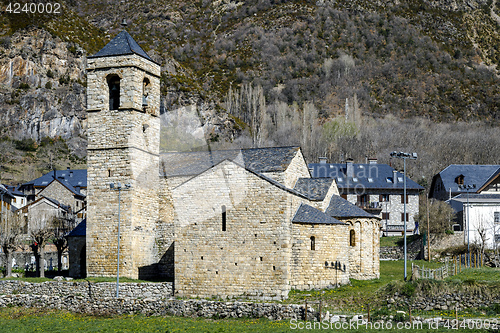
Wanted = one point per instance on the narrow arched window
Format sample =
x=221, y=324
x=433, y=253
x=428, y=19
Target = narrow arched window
x=352, y=238
x=145, y=93
x=313, y=243
x=223, y=218
x=114, y=92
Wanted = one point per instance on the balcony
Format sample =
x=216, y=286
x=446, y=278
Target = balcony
x=371, y=207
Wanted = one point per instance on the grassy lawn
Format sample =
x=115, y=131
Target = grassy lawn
x=36, y=320
x=352, y=298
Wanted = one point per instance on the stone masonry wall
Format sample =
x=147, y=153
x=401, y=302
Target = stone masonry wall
x=297, y=169
x=252, y=256
x=132, y=70
x=364, y=255
x=123, y=146
x=327, y=264
x=57, y=191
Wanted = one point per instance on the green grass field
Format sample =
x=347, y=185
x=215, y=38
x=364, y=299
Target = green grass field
x=349, y=299
x=34, y=320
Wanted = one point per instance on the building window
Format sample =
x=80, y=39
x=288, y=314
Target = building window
x=223, y=218
x=114, y=92
x=352, y=238
x=460, y=180
x=385, y=216
x=145, y=93
x=403, y=217
x=313, y=243
x=496, y=217
x=384, y=198
x=403, y=198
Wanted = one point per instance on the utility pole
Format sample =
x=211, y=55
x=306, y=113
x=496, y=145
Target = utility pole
x=428, y=234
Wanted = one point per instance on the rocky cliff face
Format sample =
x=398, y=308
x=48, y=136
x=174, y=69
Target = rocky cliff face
x=42, y=91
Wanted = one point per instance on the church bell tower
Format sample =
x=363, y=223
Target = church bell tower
x=123, y=108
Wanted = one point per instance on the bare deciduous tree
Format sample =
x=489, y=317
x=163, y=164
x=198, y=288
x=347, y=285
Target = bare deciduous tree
x=61, y=227
x=441, y=215
x=40, y=231
x=10, y=232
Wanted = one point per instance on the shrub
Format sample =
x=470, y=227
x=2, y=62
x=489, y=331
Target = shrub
x=26, y=144
x=24, y=86
x=64, y=80
x=50, y=74
x=408, y=289
x=48, y=85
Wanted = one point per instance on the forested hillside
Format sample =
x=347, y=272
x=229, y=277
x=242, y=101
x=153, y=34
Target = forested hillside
x=340, y=78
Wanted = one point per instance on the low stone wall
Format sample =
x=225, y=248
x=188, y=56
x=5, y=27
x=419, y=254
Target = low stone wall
x=459, y=301
x=87, y=289
x=157, y=307
x=397, y=253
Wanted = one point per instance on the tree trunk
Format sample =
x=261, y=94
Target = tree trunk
x=59, y=259
x=41, y=263
x=9, y=262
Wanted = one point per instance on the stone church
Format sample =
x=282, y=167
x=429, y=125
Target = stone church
x=249, y=222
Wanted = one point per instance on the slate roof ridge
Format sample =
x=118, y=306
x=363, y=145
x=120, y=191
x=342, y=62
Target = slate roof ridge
x=225, y=150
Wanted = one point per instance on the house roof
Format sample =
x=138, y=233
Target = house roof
x=479, y=175
x=5, y=191
x=80, y=230
x=71, y=177
x=122, y=44
x=54, y=203
x=260, y=160
x=341, y=208
x=14, y=190
x=66, y=184
x=367, y=176
x=477, y=198
x=313, y=188
x=308, y=214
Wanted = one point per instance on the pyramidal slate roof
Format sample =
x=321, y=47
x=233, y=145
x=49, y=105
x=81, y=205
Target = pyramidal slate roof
x=340, y=207
x=308, y=214
x=313, y=188
x=122, y=44
x=256, y=159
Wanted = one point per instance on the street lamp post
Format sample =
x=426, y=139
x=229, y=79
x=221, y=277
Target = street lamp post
x=118, y=188
x=467, y=188
x=404, y=156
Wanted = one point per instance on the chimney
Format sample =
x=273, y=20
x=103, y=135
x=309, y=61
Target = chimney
x=322, y=160
x=372, y=160
x=349, y=167
x=67, y=168
x=71, y=173
x=394, y=176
